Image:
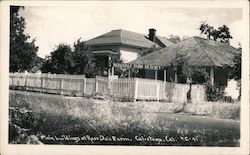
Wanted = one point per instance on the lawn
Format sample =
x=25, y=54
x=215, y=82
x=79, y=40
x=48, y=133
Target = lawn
x=56, y=119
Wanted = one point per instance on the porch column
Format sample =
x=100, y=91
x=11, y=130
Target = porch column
x=129, y=72
x=175, y=77
x=212, y=75
x=156, y=74
x=175, y=73
x=113, y=71
x=109, y=61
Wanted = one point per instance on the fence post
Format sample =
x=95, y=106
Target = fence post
x=26, y=80
x=109, y=93
x=42, y=83
x=136, y=89
x=182, y=92
x=158, y=91
x=84, y=86
x=96, y=85
x=61, y=86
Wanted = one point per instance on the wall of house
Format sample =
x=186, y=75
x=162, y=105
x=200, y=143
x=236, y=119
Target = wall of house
x=220, y=75
x=150, y=74
x=128, y=56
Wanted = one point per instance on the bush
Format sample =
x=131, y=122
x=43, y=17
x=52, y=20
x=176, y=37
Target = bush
x=214, y=93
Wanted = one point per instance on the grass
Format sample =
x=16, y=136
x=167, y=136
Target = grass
x=215, y=109
x=64, y=120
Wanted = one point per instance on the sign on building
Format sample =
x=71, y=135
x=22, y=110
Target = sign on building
x=138, y=66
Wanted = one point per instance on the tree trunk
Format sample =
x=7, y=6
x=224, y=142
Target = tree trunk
x=189, y=98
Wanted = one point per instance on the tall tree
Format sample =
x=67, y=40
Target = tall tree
x=224, y=34
x=221, y=34
x=81, y=56
x=188, y=74
x=236, y=69
x=22, y=50
x=61, y=61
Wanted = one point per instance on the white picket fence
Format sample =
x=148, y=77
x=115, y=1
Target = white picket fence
x=127, y=89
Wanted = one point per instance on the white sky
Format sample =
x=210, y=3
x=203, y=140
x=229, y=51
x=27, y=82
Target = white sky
x=53, y=25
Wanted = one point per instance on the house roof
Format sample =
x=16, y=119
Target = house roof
x=165, y=41
x=121, y=37
x=198, y=51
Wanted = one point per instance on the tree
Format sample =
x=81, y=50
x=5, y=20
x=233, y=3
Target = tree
x=206, y=29
x=224, y=34
x=61, y=61
x=188, y=73
x=221, y=34
x=235, y=73
x=22, y=51
x=236, y=68
x=47, y=65
x=80, y=56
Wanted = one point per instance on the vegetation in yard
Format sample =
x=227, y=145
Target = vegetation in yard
x=215, y=109
x=23, y=51
x=65, y=120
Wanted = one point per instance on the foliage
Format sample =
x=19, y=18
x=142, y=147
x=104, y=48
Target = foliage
x=80, y=55
x=221, y=34
x=60, y=61
x=214, y=93
x=22, y=50
x=78, y=60
x=235, y=73
x=236, y=69
x=184, y=70
x=188, y=73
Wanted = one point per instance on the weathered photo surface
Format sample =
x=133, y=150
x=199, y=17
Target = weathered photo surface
x=125, y=74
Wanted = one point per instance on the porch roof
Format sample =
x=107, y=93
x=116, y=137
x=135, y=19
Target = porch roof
x=105, y=52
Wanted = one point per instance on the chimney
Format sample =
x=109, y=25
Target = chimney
x=152, y=35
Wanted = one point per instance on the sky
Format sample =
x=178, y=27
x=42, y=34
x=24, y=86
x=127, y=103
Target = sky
x=52, y=25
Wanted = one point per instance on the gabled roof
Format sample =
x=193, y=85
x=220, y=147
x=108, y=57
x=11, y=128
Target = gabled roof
x=198, y=51
x=121, y=37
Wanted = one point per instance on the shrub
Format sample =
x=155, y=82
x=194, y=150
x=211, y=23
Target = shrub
x=214, y=93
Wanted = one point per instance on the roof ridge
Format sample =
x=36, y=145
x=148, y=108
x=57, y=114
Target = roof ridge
x=129, y=31
x=203, y=50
